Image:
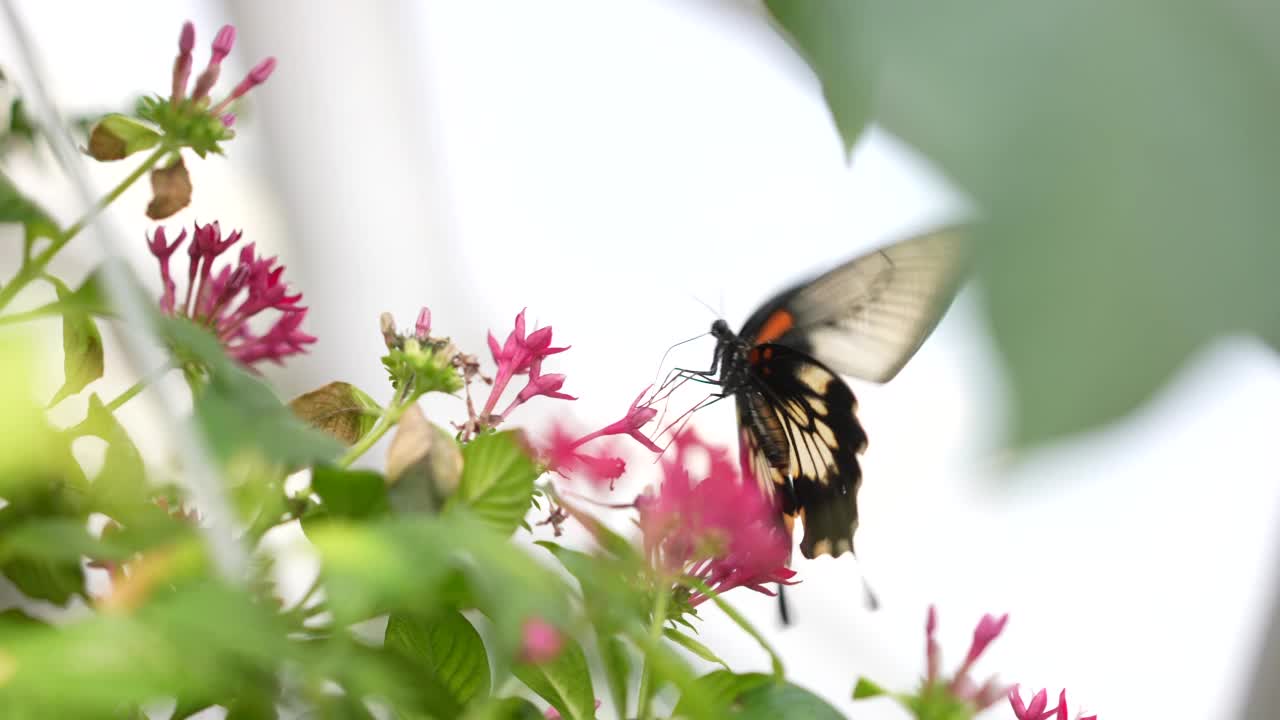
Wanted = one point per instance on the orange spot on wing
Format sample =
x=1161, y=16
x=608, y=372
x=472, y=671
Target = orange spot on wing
x=777, y=324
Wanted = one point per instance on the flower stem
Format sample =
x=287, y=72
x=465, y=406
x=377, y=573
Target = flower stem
x=389, y=418
x=35, y=267
x=645, y=710
x=132, y=391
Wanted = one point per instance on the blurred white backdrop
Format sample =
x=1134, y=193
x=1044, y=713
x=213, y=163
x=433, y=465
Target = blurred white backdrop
x=615, y=166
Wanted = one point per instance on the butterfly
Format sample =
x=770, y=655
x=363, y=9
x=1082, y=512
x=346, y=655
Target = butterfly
x=798, y=426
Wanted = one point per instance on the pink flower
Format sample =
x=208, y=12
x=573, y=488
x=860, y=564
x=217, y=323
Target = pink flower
x=519, y=355
x=961, y=685
x=227, y=300
x=182, y=64
x=722, y=531
x=637, y=417
x=1036, y=710
x=422, y=328
x=541, y=641
x=222, y=44
x=561, y=455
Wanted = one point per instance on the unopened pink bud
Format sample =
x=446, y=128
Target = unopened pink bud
x=541, y=642
x=187, y=39
x=222, y=43
x=423, y=327
x=262, y=71
x=228, y=119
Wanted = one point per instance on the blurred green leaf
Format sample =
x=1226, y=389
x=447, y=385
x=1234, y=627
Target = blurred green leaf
x=497, y=480
x=756, y=695
x=341, y=409
x=32, y=454
x=82, y=356
x=16, y=208
x=446, y=649
x=616, y=658
x=121, y=485
x=353, y=494
x=200, y=640
x=867, y=689
x=238, y=412
x=565, y=682
x=694, y=646
x=511, y=708
x=53, y=580
x=833, y=38
x=1123, y=158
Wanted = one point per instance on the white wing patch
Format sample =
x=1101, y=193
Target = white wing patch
x=868, y=317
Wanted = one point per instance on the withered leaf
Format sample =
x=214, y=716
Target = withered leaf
x=170, y=190
x=340, y=409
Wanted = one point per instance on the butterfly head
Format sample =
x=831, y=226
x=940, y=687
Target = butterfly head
x=720, y=330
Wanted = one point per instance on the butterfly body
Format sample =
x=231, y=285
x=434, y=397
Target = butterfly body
x=800, y=437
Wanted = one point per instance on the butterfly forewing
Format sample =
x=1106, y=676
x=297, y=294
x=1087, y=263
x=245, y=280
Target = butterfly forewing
x=867, y=317
x=802, y=438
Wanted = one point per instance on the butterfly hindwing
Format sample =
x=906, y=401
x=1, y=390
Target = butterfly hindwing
x=802, y=438
x=867, y=317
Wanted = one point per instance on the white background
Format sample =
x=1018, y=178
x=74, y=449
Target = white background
x=614, y=167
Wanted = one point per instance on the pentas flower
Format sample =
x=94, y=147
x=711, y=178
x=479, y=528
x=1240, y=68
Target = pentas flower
x=562, y=454
x=226, y=301
x=1037, y=709
x=722, y=531
x=637, y=417
x=540, y=641
x=521, y=355
x=961, y=686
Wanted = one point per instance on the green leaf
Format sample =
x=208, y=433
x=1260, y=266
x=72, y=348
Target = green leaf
x=756, y=695
x=424, y=464
x=616, y=657
x=121, y=485
x=834, y=38
x=445, y=647
x=202, y=640
x=497, y=480
x=354, y=494
x=338, y=408
x=54, y=581
x=694, y=646
x=867, y=689
x=1123, y=173
x=116, y=137
x=565, y=682
x=510, y=708
x=16, y=208
x=774, y=700
x=32, y=454
x=238, y=412
x=82, y=357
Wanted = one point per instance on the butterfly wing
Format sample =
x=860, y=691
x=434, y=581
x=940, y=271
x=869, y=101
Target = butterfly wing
x=867, y=317
x=801, y=440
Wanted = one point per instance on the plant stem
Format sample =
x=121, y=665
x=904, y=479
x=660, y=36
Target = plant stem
x=388, y=420
x=33, y=269
x=645, y=711
x=43, y=311
x=138, y=387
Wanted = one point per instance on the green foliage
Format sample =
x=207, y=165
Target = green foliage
x=417, y=367
x=349, y=494
x=185, y=124
x=17, y=208
x=116, y=137
x=565, y=682
x=338, y=408
x=82, y=353
x=1122, y=172
x=446, y=648
x=497, y=480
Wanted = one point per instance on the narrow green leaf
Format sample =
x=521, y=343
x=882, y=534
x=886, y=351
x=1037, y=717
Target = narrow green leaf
x=616, y=657
x=738, y=618
x=446, y=647
x=694, y=646
x=54, y=581
x=121, y=485
x=497, y=481
x=565, y=682
x=353, y=494
x=834, y=38
x=510, y=708
x=867, y=689
x=82, y=354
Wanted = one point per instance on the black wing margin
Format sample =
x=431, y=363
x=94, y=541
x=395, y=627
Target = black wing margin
x=801, y=439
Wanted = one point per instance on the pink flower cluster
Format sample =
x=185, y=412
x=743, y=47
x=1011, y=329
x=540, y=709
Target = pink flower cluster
x=522, y=354
x=222, y=43
x=723, y=530
x=227, y=300
x=1037, y=709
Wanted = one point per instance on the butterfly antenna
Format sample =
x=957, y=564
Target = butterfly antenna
x=663, y=361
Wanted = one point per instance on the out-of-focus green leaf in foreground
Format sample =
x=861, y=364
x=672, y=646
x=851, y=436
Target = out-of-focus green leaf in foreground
x=1124, y=161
